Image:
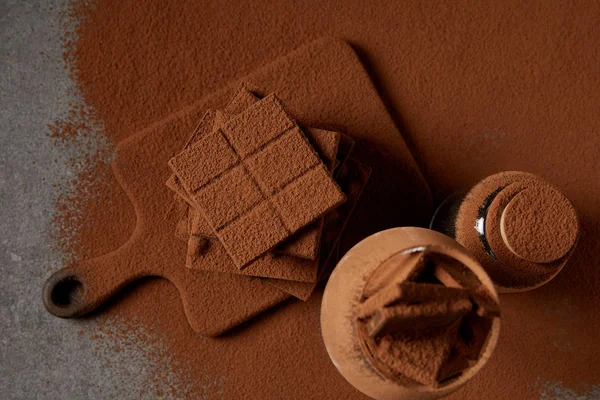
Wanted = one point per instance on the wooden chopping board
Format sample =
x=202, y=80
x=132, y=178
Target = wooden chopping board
x=324, y=85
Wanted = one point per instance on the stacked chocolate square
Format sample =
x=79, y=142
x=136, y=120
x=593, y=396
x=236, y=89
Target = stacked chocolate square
x=258, y=195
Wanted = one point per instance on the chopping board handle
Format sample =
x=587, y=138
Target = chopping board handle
x=63, y=294
x=74, y=291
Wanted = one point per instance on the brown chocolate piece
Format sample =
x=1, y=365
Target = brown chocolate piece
x=353, y=178
x=408, y=292
x=241, y=99
x=417, y=356
x=181, y=230
x=198, y=225
x=344, y=150
x=473, y=334
x=256, y=180
x=398, y=268
x=295, y=276
x=213, y=256
x=203, y=128
x=305, y=243
x=455, y=365
x=428, y=315
x=453, y=274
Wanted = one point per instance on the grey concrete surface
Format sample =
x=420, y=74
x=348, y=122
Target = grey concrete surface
x=43, y=357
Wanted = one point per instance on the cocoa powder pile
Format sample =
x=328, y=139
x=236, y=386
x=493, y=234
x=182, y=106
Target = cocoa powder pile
x=514, y=86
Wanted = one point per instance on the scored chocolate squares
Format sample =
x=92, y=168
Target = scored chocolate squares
x=293, y=275
x=333, y=148
x=353, y=178
x=204, y=249
x=257, y=180
x=289, y=274
x=306, y=242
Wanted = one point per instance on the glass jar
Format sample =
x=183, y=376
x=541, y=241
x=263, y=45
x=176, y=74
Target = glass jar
x=519, y=227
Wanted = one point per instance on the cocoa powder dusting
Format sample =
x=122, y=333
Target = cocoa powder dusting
x=513, y=86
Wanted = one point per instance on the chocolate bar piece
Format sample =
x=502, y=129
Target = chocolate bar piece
x=419, y=357
x=432, y=314
x=453, y=274
x=474, y=331
x=353, y=179
x=306, y=242
x=399, y=268
x=257, y=180
x=408, y=292
x=203, y=128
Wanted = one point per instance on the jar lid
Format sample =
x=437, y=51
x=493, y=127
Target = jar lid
x=539, y=224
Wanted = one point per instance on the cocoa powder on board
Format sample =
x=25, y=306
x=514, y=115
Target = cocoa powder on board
x=514, y=86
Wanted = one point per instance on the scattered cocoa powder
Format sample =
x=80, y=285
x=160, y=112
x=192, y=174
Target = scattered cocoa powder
x=504, y=63
x=141, y=173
